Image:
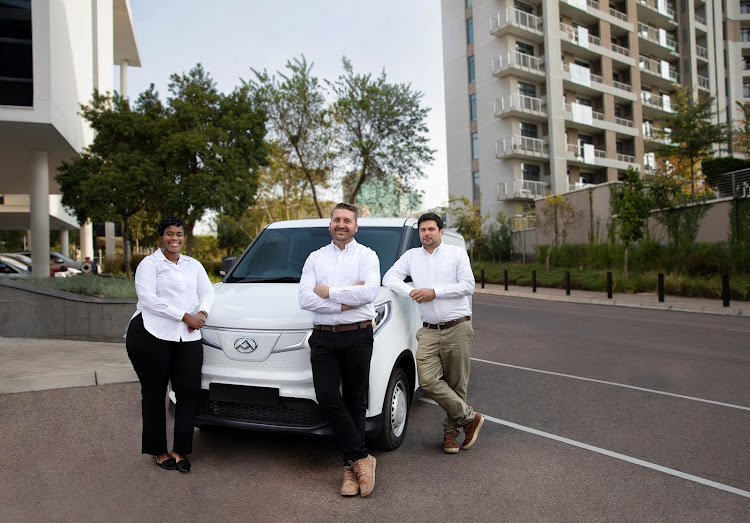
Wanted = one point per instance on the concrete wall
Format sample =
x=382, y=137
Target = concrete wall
x=34, y=312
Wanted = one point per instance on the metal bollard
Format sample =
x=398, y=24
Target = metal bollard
x=505, y=276
x=483, y=278
x=567, y=283
x=609, y=285
x=661, y=287
x=533, y=281
x=725, y=289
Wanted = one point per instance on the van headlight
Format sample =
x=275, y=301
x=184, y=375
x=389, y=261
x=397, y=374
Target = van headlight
x=382, y=316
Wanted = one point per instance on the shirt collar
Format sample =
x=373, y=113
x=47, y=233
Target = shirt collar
x=348, y=246
x=435, y=250
x=161, y=257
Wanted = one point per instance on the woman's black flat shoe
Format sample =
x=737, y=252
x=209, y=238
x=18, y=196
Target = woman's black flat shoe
x=183, y=466
x=168, y=464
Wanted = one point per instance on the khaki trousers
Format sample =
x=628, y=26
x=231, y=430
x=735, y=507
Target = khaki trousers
x=443, y=362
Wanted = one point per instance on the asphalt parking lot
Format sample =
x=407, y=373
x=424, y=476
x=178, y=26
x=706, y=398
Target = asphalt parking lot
x=594, y=413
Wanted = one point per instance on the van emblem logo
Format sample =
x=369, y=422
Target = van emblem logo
x=245, y=344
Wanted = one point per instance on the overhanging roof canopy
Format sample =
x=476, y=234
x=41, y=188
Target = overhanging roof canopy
x=125, y=44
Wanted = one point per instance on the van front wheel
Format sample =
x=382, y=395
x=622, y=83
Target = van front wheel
x=395, y=411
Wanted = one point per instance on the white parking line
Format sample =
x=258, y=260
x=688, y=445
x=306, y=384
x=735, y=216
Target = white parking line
x=616, y=455
x=614, y=384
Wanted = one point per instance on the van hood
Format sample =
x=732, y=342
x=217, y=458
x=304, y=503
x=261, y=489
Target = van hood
x=258, y=306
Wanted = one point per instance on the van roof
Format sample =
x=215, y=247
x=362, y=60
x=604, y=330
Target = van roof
x=362, y=222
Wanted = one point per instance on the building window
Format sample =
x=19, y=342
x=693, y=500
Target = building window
x=16, y=65
x=745, y=34
x=746, y=90
x=744, y=7
x=527, y=89
x=521, y=6
x=470, y=31
x=531, y=172
x=468, y=4
x=524, y=48
x=477, y=191
x=472, y=70
x=529, y=130
x=475, y=146
x=473, y=107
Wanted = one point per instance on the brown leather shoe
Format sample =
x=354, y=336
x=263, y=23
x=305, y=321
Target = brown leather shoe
x=350, y=486
x=364, y=470
x=471, y=431
x=450, y=445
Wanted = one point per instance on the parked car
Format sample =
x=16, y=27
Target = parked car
x=256, y=364
x=13, y=268
x=56, y=258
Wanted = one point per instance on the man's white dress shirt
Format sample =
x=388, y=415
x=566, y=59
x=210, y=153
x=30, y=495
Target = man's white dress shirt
x=447, y=271
x=341, y=270
x=166, y=291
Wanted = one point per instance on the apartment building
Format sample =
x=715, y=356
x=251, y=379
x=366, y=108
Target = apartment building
x=554, y=96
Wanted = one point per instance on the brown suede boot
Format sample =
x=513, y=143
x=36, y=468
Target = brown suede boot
x=450, y=445
x=364, y=470
x=471, y=430
x=350, y=486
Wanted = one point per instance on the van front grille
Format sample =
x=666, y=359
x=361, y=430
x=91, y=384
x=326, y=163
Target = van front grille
x=291, y=412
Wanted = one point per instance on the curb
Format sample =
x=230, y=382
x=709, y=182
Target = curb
x=66, y=380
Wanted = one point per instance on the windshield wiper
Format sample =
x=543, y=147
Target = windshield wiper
x=277, y=279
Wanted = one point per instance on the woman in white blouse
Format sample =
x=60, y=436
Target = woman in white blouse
x=163, y=342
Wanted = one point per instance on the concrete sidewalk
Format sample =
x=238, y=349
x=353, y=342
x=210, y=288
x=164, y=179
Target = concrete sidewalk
x=28, y=364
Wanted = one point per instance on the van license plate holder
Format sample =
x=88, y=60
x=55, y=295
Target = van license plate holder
x=264, y=396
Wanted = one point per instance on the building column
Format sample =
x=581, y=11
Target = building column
x=87, y=243
x=64, y=242
x=558, y=149
x=39, y=207
x=109, y=239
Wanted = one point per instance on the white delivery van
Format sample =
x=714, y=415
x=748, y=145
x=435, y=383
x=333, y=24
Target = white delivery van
x=256, y=357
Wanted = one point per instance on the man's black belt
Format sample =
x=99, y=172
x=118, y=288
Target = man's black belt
x=447, y=324
x=345, y=327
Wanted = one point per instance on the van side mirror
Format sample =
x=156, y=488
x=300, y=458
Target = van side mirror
x=226, y=264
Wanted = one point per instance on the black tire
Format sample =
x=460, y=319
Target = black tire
x=395, y=416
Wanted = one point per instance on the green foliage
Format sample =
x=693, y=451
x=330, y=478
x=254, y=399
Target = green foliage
x=381, y=129
x=739, y=218
x=556, y=216
x=715, y=168
x=11, y=241
x=107, y=287
x=469, y=221
x=680, y=212
x=496, y=242
x=633, y=210
x=299, y=123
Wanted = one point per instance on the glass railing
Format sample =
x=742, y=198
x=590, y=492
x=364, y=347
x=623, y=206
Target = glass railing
x=618, y=14
x=521, y=189
x=520, y=102
x=596, y=115
x=623, y=86
x=515, y=17
x=521, y=145
x=703, y=82
x=621, y=50
x=664, y=8
x=700, y=19
x=653, y=35
x=652, y=66
x=518, y=60
x=625, y=158
x=624, y=122
x=573, y=35
x=578, y=153
x=701, y=51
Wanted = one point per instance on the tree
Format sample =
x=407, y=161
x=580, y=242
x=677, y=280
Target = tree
x=299, y=121
x=382, y=130
x=112, y=179
x=690, y=130
x=741, y=138
x=555, y=217
x=211, y=150
x=632, y=210
x=469, y=221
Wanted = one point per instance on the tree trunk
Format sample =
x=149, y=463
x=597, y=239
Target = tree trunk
x=627, y=248
x=189, y=238
x=549, y=252
x=692, y=178
x=362, y=177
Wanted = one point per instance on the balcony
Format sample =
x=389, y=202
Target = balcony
x=656, y=105
x=583, y=117
x=703, y=83
x=517, y=104
x=624, y=51
x=700, y=19
x=521, y=147
x=573, y=34
x=656, y=12
x=661, y=73
x=518, y=23
x=521, y=190
x=590, y=11
x=626, y=158
x=701, y=52
x=656, y=42
x=584, y=154
x=518, y=64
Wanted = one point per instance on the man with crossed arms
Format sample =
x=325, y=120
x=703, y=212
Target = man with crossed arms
x=443, y=282
x=339, y=283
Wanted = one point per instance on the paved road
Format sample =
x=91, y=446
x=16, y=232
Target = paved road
x=594, y=413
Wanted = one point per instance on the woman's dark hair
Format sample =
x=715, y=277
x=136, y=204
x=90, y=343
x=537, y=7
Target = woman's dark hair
x=430, y=216
x=166, y=222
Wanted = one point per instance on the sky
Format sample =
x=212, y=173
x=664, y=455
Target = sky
x=229, y=37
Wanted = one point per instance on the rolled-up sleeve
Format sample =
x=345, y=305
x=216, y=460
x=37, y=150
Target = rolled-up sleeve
x=145, y=286
x=356, y=295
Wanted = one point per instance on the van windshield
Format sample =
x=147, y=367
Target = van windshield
x=278, y=255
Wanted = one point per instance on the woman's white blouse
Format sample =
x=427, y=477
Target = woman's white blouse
x=167, y=290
